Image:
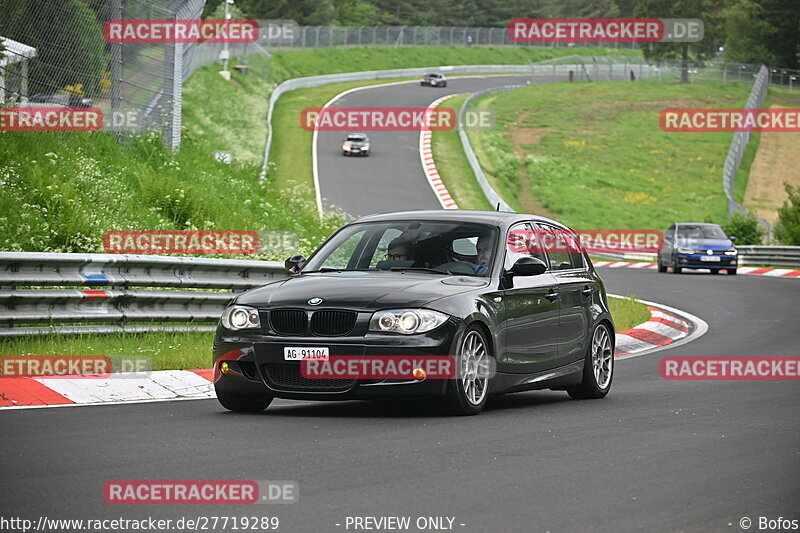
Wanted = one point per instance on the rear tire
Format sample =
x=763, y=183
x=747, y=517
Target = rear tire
x=661, y=268
x=715, y=270
x=598, y=367
x=731, y=271
x=241, y=403
x=467, y=393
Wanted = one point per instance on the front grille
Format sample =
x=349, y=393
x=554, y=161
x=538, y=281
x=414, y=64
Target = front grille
x=288, y=321
x=288, y=377
x=332, y=323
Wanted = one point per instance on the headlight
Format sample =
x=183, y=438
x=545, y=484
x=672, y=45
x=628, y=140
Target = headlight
x=239, y=317
x=365, y=147
x=406, y=321
x=732, y=251
x=346, y=146
x=685, y=251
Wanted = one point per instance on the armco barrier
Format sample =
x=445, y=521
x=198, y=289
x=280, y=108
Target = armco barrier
x=785, y=256
x=117, y=290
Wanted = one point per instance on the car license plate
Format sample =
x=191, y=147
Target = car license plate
x=710, y=258
x=296, y=353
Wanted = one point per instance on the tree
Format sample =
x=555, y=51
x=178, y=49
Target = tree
x=748, y=34
x=745, y=228
x=709, y=11
x=68, y=38
x=788, y=229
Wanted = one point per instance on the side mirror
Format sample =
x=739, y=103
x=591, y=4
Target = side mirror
x=294, y=263
x=528, y=266
x=732, y=238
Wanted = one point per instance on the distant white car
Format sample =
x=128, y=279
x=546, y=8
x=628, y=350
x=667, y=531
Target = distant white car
x=434, y=80
x=356, y=144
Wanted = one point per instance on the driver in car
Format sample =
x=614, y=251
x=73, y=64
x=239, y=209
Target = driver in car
x=400, y=250
x=484, y=249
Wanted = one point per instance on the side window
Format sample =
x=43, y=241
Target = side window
x=522, y=241
x=562, y=246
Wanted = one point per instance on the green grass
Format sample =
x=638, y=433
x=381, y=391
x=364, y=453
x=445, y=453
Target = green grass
x=166, y=350
x=298, y=63
x=628, y=312
x=228, y=115
x=60, y=192
x=453, y=167
x=593, y=154
x=192, y=350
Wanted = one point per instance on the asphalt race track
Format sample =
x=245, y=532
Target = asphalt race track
x=391, y=177
x=654, y=455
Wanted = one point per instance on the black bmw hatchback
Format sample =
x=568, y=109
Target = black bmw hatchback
x=423, y=284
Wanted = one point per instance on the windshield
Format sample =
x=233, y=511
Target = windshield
x=356, y=137
x=436, y=247
x=700, y=231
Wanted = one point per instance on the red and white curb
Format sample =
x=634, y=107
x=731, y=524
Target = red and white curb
x=65, y=391
x=429, y=166
x=772, y=272
x=667, y=327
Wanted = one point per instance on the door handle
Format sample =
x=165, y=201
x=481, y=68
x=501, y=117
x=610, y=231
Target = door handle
x=587, y=291
x=552, y=295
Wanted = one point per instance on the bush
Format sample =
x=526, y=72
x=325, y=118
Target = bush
x=71, y=50
x=745, y=228
x=788, y=229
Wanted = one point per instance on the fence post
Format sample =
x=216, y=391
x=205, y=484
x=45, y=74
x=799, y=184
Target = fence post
x=116, y=63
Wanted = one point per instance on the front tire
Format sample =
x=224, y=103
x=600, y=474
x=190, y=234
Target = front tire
x=598, y=367
x=661, y=268
x=675, y=268
x=468, y=391
x=731, y=271
x=242, y=403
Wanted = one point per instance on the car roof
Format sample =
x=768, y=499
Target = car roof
x=497, y=218
x=696, y=224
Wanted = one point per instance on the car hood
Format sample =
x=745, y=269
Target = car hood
x=360, y=290
x=717, y=245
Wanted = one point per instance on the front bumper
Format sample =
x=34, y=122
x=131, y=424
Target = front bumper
x=697, y=261
x=257, y=366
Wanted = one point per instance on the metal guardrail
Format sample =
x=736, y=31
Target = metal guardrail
x=771, y=256
x=131, y=295
x=780, y=256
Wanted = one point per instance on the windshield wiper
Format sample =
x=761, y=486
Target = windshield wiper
x=420, y=269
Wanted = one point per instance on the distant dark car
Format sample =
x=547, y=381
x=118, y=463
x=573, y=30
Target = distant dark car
x=356, y=144
x=58, y=99
x=697, y=245
x=423, y=283
x=434, y=80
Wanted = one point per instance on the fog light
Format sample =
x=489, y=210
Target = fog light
x=419, y=373
x=223, y=368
